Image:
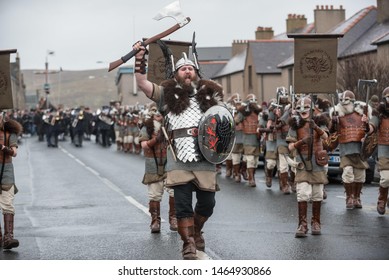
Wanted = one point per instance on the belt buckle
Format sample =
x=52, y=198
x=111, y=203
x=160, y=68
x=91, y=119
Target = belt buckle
x=192, y=131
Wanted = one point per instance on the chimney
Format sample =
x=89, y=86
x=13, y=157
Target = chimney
x=295, y=22
x=382, y=11
x=264, y=33
x=327, y=18
x=238, y=46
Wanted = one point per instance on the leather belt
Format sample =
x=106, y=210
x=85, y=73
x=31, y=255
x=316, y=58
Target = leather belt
x=185, y=132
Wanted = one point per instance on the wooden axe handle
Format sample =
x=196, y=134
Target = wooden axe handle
x=161, y=35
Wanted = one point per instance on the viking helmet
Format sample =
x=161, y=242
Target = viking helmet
x=251, y=98
x=282, y=95
x=185, y=61
x=303, y=104
x=153, y=111
x=346, y=97
x=235, y=98
x=385, y=92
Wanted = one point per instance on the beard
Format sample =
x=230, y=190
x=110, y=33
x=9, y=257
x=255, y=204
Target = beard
x=348, y=109
x=187, y=80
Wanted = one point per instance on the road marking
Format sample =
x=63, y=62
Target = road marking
x=108, y=183
x=200, y=255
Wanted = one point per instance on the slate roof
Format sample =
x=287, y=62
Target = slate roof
x=234, y=65
x=383, y=39
x=359, y=31
x=267, y=54
x=213, y=53
x=361, y=34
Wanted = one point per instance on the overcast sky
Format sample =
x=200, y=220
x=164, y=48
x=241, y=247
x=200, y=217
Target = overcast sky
x=83, y=32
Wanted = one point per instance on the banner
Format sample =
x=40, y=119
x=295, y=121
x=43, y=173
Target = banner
x=156, y=71
x=315, y=63
x=6, y=101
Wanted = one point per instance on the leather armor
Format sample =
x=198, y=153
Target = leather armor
x=383, y=132
x=250, y=123
x=304, y=132
x=351, y=128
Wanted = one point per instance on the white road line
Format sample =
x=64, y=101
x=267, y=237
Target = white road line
x=112, y=186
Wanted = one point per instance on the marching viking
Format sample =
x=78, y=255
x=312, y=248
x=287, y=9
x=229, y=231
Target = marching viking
x=269, y=134
x=154, y=147
x=185, y=98
x=282, y=114
x=305, y=135
x=383, y=151
x=9, y=131
x=238, y=165
x=248, y=116
x=352, y=124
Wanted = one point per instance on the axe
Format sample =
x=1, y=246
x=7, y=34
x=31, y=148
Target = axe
x=368, y=84
x=172, y=10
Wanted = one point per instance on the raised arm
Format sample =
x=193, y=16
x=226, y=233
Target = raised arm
x=140, y=70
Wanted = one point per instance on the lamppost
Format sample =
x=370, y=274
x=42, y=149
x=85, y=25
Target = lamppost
x=46, y=72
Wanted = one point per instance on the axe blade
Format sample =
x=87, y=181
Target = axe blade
x=172, y=10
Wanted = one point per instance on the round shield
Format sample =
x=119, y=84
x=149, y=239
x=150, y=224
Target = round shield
x=216, y=136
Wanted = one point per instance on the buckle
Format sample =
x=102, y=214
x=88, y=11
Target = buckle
x=193, y=131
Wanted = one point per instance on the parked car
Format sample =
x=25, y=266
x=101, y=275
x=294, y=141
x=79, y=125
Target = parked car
x=335, y=172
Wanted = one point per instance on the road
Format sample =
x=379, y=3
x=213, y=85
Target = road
x=89, y=204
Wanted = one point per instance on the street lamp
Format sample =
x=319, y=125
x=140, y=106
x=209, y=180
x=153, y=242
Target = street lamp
x=46, y=72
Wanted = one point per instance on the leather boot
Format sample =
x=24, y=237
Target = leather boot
x=303, y=226
x=8, y=241
x=186, y=231
x=130, y=148
x=315, y=222
x=349, y=195
x=172, y=214
x=237, y=173
x=292, y=182
x=198, y=234
x=284, y=183
x=228, y=168
x=357, y=188
x=243, y=170
x=251, y=172
x=269, y=177
x=382, y=200
x=154, y=209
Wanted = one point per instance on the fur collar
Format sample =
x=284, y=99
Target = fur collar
x=296, y=122
x=358, y=108
x=252, y=108
x=13, y=126
x=207, y=93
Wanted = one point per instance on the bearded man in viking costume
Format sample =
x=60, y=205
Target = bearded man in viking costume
x=154, y=148
x=248, y=116
x=184, y=99
x=270, y=137
x=234, y=163
x=305, y=135
x=282, y=114
x=352, y=125
x=383, y=151
x=9, y=131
